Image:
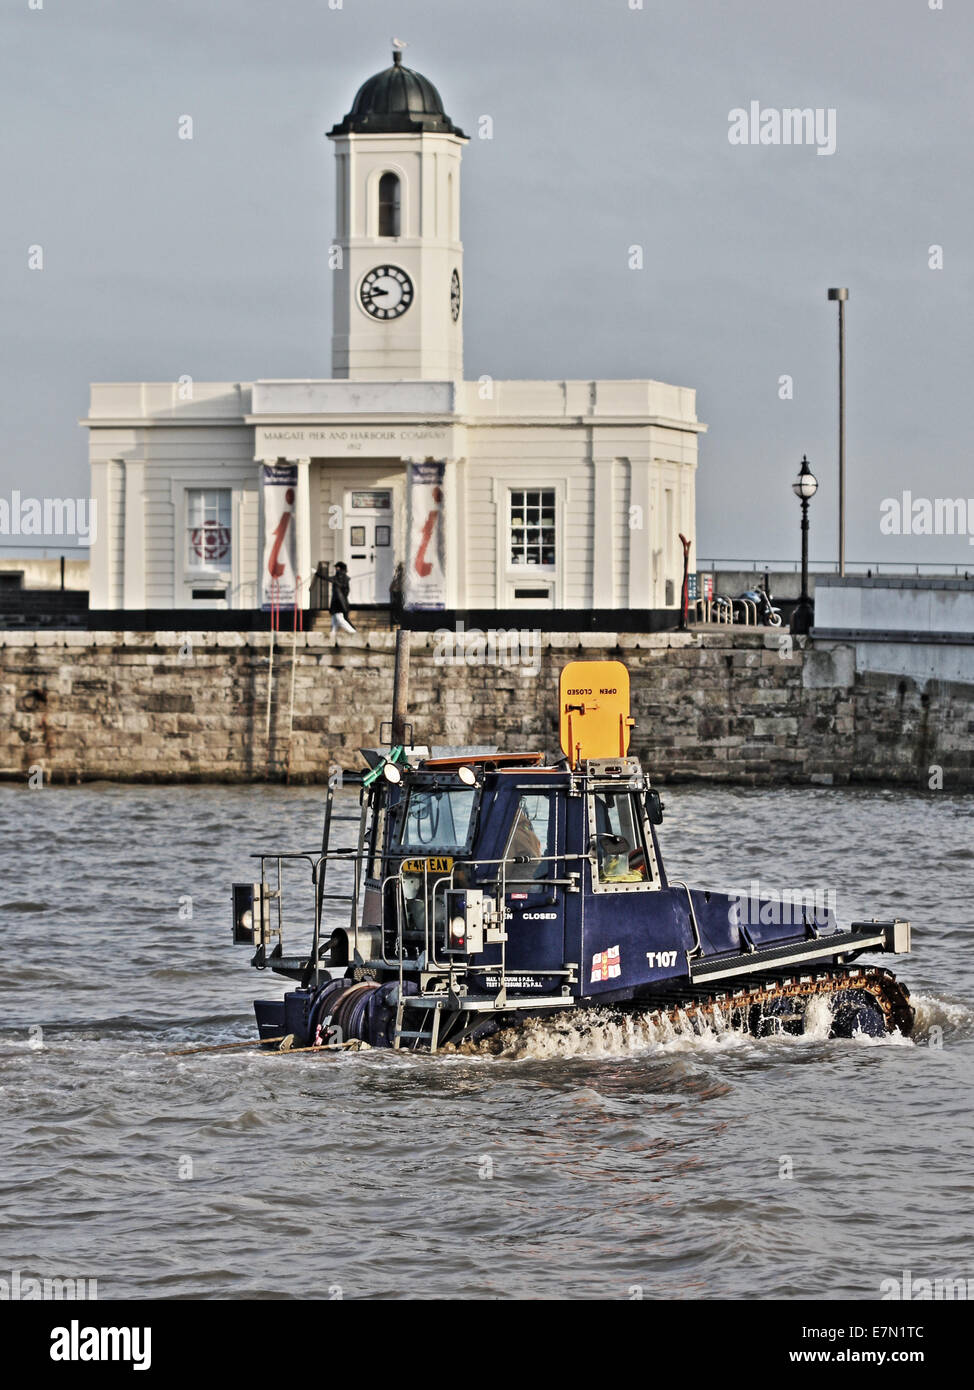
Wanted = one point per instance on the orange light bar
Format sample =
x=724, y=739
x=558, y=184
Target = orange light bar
x=478, y=760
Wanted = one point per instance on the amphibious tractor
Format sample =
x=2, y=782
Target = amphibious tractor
x=486, y=889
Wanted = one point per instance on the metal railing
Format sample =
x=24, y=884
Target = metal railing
x=272, y=891
x=721, y=609
x=875, y=567
x=499, y=887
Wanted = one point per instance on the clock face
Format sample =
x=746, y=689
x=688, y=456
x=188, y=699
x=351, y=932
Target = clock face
x=455, y=295
x=386, y=292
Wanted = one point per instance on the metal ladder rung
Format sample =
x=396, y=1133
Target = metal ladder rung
x=430, y=1035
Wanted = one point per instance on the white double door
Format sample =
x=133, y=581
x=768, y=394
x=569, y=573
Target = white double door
x=368, y=545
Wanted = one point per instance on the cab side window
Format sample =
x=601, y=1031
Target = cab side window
x=530, y=845
x=620, y=850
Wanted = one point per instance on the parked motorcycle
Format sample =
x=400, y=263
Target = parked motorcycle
x=722, y=609
x=767, y=614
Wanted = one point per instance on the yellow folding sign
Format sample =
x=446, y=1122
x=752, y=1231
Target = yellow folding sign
x=594, y=717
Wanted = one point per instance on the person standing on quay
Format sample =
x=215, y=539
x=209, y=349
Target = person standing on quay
x=338, y=607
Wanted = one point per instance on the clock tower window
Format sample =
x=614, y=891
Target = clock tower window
x=389, y=205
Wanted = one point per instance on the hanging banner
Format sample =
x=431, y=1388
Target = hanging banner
x=425, y=564
x=277, y=573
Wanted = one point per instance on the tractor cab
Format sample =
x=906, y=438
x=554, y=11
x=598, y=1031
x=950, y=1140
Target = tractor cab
x=491, y=862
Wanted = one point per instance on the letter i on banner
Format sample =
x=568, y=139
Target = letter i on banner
x=277, y=575
x=425, y=568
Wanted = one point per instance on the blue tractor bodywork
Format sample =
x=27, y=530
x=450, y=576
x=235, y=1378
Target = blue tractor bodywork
x=488, y=892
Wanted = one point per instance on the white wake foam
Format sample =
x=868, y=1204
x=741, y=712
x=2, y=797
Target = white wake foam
x=602, y=1033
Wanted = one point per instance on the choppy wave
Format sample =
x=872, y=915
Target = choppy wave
x=953, y=1018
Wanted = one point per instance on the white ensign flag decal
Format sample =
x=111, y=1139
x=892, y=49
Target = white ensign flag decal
x=606, y=965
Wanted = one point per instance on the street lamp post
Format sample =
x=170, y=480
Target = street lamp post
x=804, y=487
x=841, y=295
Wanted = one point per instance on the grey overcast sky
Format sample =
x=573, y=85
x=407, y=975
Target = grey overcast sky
x=610, y=129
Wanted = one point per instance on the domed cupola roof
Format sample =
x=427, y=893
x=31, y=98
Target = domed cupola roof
x=396, y=101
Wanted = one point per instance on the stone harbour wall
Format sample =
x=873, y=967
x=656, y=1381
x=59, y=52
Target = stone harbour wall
x=744, y=707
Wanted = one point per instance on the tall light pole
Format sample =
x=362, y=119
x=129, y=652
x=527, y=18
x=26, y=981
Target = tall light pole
x=804, y=487
x=841, y=295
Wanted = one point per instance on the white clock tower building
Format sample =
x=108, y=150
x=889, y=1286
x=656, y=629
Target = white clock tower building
x=398, y=291
x=475, y=499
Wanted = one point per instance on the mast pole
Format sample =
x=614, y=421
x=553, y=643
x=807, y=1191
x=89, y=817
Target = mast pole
x=400, y=688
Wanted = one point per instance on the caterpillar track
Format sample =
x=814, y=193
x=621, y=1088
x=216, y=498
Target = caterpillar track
x=757, y=1007
x=865, y=1000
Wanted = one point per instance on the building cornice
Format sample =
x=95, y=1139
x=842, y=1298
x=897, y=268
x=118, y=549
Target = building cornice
x=575, y=422
x=572, y=422
x=141, y=422
x=121, y=422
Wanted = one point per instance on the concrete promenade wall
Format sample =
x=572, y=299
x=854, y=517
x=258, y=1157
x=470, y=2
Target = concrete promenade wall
x=731, y=706
x=896, y=603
